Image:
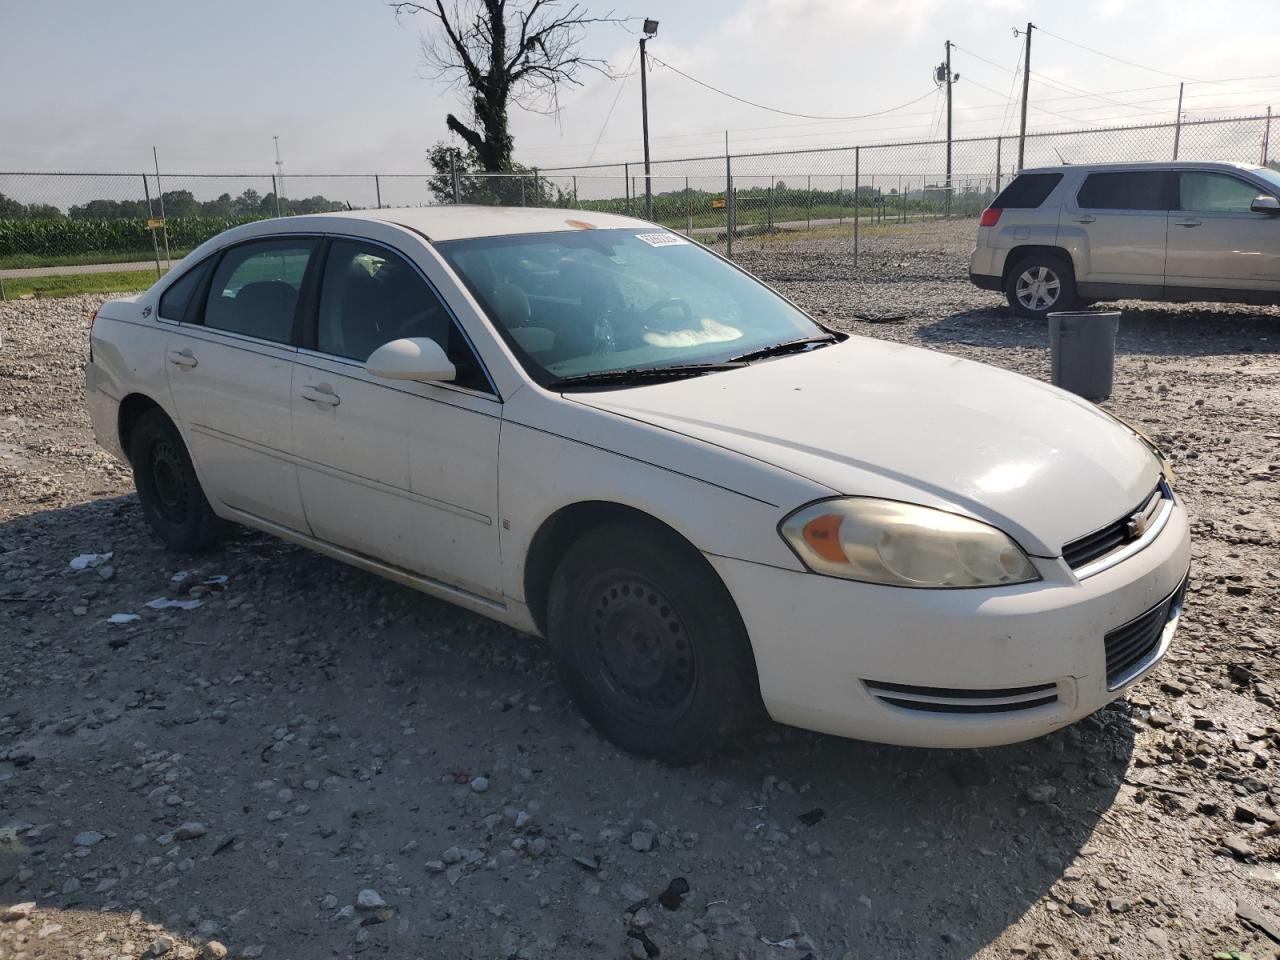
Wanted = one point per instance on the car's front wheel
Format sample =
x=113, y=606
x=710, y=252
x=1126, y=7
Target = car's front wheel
x=172, y=500
x=1040, y=284
x=650, y=644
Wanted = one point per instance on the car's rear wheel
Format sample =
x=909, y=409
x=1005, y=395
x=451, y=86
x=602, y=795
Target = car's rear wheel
x=172, y=500
x=650, y=643
x=1040, y=284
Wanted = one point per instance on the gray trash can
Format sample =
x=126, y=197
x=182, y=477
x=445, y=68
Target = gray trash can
x=1082, y=348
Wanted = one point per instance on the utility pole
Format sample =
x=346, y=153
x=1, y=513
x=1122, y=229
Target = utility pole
x=1026, y=85
x=1177, y=126
x=650, y=29
x=944, y=75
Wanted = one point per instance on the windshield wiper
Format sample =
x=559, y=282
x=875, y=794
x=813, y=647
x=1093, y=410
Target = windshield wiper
x=641, y=374
x=780, y=349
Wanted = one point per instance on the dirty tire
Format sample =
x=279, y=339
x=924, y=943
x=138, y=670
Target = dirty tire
x=172, y=500
x=650, y=644
x=1040, y=284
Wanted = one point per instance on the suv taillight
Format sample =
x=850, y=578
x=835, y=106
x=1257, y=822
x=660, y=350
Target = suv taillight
x=990, y=216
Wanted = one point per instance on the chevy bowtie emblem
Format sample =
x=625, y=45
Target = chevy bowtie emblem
x=1138, y=524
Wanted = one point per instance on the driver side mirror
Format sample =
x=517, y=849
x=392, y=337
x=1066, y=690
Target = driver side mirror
x=1265, y=204
x=411, y=358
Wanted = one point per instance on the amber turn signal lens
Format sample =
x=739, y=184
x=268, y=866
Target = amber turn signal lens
x=823, y=535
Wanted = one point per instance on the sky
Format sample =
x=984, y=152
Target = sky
x=92, y=86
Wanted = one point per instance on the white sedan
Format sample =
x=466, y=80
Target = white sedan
x=588, y=427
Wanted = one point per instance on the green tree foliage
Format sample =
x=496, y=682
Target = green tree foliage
x=519, y=186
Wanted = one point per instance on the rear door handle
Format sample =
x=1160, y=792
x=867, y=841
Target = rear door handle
x=1087, y=218
x=1189, y=222
x=326, y=398
x=183, y=358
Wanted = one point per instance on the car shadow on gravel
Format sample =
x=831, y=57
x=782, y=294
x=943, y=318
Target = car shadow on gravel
x=1189, y=330
x=328, y=732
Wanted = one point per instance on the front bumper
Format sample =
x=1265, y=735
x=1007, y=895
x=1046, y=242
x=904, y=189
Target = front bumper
x=952, y=668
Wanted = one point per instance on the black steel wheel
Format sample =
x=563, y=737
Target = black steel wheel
x=172, y=500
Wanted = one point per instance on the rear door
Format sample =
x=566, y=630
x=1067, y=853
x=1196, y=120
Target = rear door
x=230, y=374
x=1123, y=218
x=1215, y=240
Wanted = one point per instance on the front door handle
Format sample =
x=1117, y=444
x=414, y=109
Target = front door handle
x=1087, y=218
x=326, y=398
x=183, y=358
x=1189, y=222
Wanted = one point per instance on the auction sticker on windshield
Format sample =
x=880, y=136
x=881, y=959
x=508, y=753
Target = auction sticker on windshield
x=661, y=239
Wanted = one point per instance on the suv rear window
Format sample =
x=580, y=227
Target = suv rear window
x=1027, y=191
x=1129, y=190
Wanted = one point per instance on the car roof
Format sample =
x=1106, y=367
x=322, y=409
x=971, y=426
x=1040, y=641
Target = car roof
x=1147, y=165
x=465, y=221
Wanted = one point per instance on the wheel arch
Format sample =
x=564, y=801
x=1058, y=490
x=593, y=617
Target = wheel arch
x=132, y=407
x=559, y=531
x=1020, y=253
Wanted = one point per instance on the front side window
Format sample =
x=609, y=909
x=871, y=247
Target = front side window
x=255, y=288
x=1126, y=190
x=371, y=296
x=1215, y=193
x=589, y=302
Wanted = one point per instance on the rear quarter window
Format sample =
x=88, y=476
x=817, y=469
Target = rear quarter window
x=1027, y=191
x=176, y=300
x=1126, y=190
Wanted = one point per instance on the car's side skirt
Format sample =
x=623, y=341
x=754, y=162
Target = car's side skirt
x=505, y=610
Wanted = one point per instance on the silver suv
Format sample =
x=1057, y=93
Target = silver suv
x=1059, y=237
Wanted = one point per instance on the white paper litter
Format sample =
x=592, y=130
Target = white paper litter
x=217, y=581
x=87, y=561
x=181, y=576
x=164, y=603
x=123, y=617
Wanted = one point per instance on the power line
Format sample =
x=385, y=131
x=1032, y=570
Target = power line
x=616, y=97
x=787, y=113
x=1130, y=63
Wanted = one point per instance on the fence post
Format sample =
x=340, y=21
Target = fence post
x=688, y=209
x=155, y=244
x=1266, y=138
x=626, y=185
x=575, y=192
x=728, y=201
x=808, y=210
x=840, y=196
x=999, y=141
x=164, y=224
x=275, y=193
x=537, y=189
x=377, y=190
x=453, y=174
x=857, y=177
x=770, y=202
x=522, y=199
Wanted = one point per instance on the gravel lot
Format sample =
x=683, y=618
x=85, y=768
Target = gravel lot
x=318, y=763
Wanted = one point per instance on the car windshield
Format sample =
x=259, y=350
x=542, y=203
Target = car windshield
x=587, y=304
x=1270, y=176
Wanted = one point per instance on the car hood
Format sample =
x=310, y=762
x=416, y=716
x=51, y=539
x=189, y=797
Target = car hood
x=871, y=418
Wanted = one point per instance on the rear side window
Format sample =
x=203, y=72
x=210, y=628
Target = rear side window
x=255, y=288
x=1027, y=191
x=175, y=301
x=1128, y=190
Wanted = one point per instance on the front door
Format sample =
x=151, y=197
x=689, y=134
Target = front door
x=230, y=376
x=400, y=471
x=1123, y=216
x=1215, y=240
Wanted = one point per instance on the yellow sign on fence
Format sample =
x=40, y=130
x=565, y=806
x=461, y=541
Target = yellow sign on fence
x=155, y=223
x=717, y=203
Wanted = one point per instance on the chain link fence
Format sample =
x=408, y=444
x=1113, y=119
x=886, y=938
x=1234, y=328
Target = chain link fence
x=899, y=192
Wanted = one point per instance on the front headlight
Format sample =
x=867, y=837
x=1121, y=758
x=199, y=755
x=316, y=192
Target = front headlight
x=904, y=545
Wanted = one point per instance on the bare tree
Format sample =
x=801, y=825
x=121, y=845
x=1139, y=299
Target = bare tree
x=502, y=52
